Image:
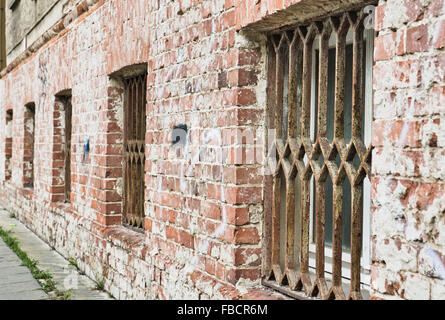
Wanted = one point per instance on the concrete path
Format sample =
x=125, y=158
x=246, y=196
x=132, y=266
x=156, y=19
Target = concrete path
x=16, y=282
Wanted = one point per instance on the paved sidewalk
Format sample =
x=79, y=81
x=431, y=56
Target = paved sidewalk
x=16, y=282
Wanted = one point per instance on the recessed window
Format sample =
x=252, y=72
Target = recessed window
x=8, y=143
x=62, y=147
x=28, y=147
x=134, y=150
x=320, y=76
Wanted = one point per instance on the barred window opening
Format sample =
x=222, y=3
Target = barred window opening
x=320, y=78
x=134, y=150
x=29, y=142
x=62, y=146
x=8, y=144
x=67, y=149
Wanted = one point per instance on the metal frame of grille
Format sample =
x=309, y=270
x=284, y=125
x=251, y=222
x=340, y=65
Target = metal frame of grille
x=134, y=150
x=67, y=146
x=300, y=157
x=29, y=145
x=8, y=144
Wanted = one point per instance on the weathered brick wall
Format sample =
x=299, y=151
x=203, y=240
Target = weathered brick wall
x=204, y=199
x=199, y=199
x=408, y=196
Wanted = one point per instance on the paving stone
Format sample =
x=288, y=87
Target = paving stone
x=16, y=281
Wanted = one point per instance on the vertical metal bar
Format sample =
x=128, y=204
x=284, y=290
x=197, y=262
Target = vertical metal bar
x=356, y=239
x=337, y=235
x=323, y=58
x=323, y=75
x=137, y=106
x=357, y=81
x=304, y=246
x=307, y=36
x=294, y=93
x=279, y=88
x=276, y=209
x=319, y=229
x=357, y=190
x=269, y=179
x=341, y=29
x=295, y=86
x=290, y=239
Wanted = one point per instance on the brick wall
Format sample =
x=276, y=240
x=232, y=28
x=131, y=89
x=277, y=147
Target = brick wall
x=204, y=209
x=408, y=196
x=203, y=217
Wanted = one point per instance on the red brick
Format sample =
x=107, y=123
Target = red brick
x=439, y=34
x=385, y=46
x=417, y=39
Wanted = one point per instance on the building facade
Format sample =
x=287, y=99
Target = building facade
x=230, y=149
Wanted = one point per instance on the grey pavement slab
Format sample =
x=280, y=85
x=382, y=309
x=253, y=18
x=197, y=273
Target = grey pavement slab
x=16, y=281
x=65, y=276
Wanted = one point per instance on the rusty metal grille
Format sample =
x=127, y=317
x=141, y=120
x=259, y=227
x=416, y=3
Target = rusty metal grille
x=8, y=143
x=134, y=150
x=316, y=106
x=67, y=147
x=28, y=157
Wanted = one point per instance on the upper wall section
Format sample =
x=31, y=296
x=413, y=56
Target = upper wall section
x=266, y=15
x=31, y=23
x=27, y=20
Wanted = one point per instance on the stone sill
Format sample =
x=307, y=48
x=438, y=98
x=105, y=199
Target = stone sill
x=126, y=238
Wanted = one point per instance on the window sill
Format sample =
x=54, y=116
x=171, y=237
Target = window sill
x=126, y=238
x=63, y=206
x=28, y=193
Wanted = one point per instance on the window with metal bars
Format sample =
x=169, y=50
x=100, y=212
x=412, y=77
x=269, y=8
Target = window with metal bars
x=134, y=150
x=8, y=143
x=28, y=152
x=65, y=102
x=320, y=105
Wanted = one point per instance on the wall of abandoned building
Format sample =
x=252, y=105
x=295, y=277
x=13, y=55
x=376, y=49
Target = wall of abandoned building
x=203, y=219
x=408, y=224
x=204, y=199
x=27, y=20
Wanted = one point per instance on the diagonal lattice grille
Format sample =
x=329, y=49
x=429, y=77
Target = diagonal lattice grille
x=134, y=150
x=317, y=107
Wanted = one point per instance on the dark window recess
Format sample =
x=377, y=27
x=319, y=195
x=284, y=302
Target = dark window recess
x=8, y=144
x=66, y=100
x=134, y=150
x=28, y=156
